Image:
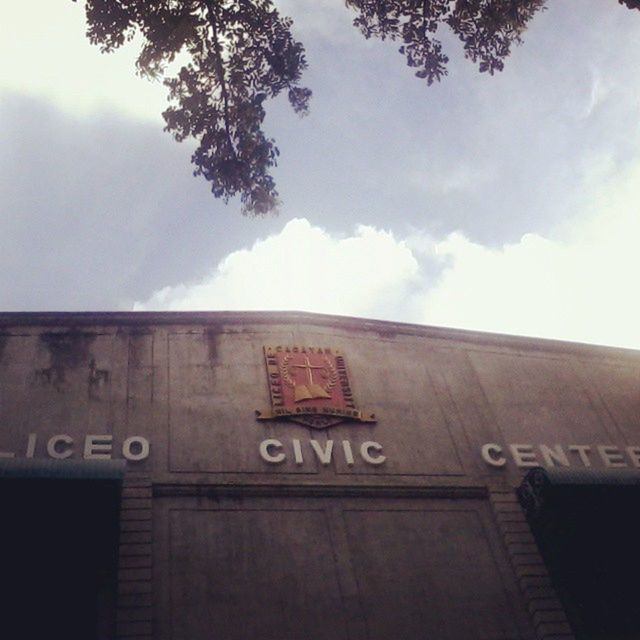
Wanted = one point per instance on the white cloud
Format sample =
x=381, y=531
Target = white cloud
x=581, y=287
x=305, y=268
x=46, y=53
x=598, y=93
x=578, y=283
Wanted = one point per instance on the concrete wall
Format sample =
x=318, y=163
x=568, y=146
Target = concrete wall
x=407, y=548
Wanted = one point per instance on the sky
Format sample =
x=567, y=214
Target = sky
x=504, y=203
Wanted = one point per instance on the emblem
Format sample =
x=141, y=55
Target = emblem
x=310, y=386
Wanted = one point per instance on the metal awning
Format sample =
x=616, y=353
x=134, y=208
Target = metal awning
x=587, y=526
x=543, y=490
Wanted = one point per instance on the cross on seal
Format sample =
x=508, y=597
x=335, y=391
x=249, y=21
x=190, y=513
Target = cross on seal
x=310, y=390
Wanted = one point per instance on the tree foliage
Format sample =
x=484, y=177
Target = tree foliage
x=240, y=53
x=487, y=29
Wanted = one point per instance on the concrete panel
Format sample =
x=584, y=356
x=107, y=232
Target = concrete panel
x=144, y=402
x=316, y=568
x=392, y=379
x=57, y=382
x=464, y=404
x=262, y=574
x=216, y=382
x=17, y=366
x=619, y=388
x=427, y=574
x=537, y=399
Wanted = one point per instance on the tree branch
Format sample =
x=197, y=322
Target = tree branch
x=213, y=20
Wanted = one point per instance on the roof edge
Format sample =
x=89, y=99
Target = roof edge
x=385, y=328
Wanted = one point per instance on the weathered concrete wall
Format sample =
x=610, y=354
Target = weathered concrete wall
x=190, y=385
x=379, y=540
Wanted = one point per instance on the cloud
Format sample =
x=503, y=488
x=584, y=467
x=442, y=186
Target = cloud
x=49, y=56
x=462, y=154
x=580, y=285
x=304, y=268
x=99, y=210
x=96, y=213
x=597, y=94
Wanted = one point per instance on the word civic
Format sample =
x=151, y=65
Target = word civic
x=274, y=451
x=584, y=455
x=92, y=447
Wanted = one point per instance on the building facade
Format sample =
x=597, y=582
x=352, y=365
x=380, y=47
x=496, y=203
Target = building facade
x=289, y=476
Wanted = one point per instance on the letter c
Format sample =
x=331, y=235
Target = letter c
x=365, y=452
x=269, y=457
x=53, y=449
x=487, y=455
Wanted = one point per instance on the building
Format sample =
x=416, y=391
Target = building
x=289, y=476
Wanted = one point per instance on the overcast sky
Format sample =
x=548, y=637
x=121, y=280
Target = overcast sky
x=506, y=203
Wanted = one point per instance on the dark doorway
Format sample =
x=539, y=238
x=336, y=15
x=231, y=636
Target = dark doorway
x=587, y=526
x=58, y=556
